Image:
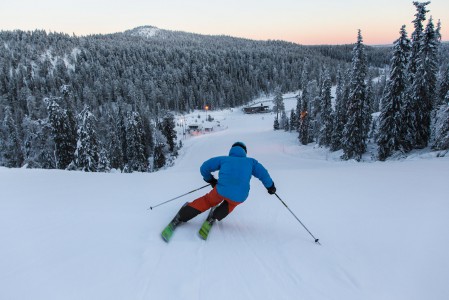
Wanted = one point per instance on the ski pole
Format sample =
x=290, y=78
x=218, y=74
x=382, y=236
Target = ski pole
x=151, y=207
x=316, y=240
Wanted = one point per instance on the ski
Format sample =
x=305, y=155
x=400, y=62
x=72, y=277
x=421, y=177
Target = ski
x=168, y=231
x=207, y=225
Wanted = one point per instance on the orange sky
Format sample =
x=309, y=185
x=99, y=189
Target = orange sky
x=304, y=22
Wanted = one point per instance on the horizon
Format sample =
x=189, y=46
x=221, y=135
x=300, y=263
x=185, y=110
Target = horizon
x=143, y=26
x=300, y=22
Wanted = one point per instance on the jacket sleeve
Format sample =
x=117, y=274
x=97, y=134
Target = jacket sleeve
x=262, y=174
x=209, y=166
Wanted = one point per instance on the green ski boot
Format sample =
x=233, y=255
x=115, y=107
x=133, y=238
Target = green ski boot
x=207, y=225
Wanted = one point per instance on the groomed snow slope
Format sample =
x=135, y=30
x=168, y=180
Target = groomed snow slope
x=383, y=228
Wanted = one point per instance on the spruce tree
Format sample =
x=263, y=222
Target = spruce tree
x=10, y=143
x=167, y=127
x=391, y=130
x=276, y=125
x=86, y=156
x=278, y=102
x=293, y=121
x=113, y=143
x=104, y=165
x=135, y=150
x=416, y=36
x=326, y=127
x=287, y=122
x=442, y=127
x=354, y=131
x=63, y=132
x=304, y=80
x=298, y=110
x=444, y=86
x=424, y=86
x=37, y=144
x=414, y=107
x=339, y=115
x=283, y=124
x=304, y=120
x=368, y=110
x=159, y=156
x=160, y=151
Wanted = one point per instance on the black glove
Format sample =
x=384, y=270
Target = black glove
x=272, y=189
x=213, y=182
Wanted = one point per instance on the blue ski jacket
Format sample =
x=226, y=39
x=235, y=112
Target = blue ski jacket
x=235, y=173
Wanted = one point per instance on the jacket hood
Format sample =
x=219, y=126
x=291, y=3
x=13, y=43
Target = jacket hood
x=237, y=151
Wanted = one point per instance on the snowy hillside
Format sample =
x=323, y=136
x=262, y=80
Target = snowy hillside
x=383, y=228
x=144, y=31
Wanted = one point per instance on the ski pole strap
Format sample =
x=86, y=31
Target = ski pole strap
x=151, y=207
x=316, y=240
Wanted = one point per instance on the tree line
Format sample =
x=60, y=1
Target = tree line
x=412, y=97
x=107, y=101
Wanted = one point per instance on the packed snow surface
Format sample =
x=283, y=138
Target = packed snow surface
x=383, y=227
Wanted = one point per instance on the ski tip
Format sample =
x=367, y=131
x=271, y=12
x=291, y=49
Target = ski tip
x=317, y=241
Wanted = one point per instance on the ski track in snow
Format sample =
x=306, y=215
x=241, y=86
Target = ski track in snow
x=382, y=226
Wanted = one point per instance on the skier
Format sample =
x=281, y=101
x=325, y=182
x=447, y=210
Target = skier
x=230, y=190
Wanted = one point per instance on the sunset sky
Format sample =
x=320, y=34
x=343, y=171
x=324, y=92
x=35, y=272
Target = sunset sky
x=303, y=22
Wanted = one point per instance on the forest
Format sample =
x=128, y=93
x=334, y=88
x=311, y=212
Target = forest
x=404, y=109
x=102, y=102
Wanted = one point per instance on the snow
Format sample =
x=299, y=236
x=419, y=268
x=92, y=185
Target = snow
x=382, y=226
x=147, y=31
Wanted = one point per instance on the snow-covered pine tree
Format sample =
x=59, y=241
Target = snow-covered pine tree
x=113, y=143
x=104, y=165
x=304, y=80
x=379, y=89
x=442, y=127
x=287, y=122
x=304, y=119
x=293, y=121
x=283, y=124
x=368, y=108
x=135, y=150
x=326, y=127
x=276, y=125
x=413, y=107
x=160, y=150
x=370, y=94
x=63, y=126
x=391, y=130
x=86, y=156
x=416, y=36
x=340, y=117
x=159, y=156
x=424, y=85
x=167, y=127
x=38, y=147
x=444, y=86
x=10, y=143
x=354, y=137
x=148, y=142
x=278, y=102
x=314, y=110
x=298, y=110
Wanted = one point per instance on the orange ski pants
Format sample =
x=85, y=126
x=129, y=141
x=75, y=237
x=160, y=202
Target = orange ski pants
x=211, y=199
